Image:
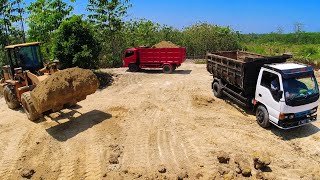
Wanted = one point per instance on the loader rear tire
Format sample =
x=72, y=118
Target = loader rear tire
x=11, y=98
x=28, y=107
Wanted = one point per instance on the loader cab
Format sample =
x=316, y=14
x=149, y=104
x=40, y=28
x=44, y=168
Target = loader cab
x=26, y=56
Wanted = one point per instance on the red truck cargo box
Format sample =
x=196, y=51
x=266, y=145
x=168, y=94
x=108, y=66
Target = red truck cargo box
x=167, y=58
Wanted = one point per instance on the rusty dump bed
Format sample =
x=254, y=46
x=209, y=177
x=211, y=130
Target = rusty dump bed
x=239, y=68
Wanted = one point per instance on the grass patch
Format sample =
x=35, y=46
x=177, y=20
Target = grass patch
x=200, y=61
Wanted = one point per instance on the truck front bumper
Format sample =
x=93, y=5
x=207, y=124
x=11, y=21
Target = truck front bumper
x=296, y=122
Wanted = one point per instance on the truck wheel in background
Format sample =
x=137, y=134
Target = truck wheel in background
x=10, y=98
x=133, y=68
x=262, y=116
x=167, y=69
x=28, y=107
x=217, y=91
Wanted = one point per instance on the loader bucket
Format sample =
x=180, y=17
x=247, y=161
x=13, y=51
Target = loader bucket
x=66, y=86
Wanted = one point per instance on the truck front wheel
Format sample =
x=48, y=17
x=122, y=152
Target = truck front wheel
x=217, y=91
x=133, y=68
x=167, y=69
x=262, y=116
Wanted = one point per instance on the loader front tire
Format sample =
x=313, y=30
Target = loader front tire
x=11, y=98
x=28, y=107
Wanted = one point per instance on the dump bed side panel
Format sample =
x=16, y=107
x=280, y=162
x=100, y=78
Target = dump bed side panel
x=242, y=73
x=162, y=55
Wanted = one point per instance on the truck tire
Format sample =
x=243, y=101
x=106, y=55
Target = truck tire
x=133, y=68
x=167, y=69
x=262, y=116
x=28, y=107
x=217, y=91
x=11, y=98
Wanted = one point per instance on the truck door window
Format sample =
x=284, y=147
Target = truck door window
x=129, y=53
x=271, y=81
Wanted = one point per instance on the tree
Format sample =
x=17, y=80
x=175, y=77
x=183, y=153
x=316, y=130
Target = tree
x=74, y=44
x=10, y=13
x=141, y=32
x=108, y=16
x=45, y=16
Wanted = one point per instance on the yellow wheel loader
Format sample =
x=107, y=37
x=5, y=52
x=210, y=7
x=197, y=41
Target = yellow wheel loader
x=24, y=71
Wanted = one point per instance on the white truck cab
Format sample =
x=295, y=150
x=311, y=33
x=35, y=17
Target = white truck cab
x=287, y=95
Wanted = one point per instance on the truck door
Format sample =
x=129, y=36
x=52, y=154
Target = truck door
x=268, y=87
x=130, y=57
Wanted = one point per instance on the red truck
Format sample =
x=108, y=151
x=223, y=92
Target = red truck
x=142, y=57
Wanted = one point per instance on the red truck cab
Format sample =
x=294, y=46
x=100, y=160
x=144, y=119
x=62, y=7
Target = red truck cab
x=142, y=57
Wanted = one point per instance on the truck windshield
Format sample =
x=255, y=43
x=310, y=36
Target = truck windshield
x=300, y=88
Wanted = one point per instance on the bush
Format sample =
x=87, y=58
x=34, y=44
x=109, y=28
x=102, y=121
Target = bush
x=74, y=44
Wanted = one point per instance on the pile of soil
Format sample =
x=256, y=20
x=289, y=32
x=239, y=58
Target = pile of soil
x=105, y=79
x=165, y=44
x=66, y=86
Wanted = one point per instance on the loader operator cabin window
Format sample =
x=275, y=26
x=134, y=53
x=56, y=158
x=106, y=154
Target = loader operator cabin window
x=271, y=81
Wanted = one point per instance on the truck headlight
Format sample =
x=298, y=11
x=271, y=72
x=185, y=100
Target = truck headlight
x=291, y=116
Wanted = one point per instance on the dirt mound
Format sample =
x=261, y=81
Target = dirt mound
x=105, y=79
x=69, y=85
x=165, y=44
x=202, y=101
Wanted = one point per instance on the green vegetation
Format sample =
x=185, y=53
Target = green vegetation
x=74, y=44
x=106, y=34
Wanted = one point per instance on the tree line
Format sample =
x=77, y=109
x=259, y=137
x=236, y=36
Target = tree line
x=100, y=37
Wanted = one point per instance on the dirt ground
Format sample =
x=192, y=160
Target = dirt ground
x=150, y=125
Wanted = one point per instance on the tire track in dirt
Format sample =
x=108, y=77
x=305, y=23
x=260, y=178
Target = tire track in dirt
x=137, y=151
x=68, y=163
x=12, y=152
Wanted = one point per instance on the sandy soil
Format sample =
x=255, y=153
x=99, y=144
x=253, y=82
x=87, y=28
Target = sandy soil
x=151, y=125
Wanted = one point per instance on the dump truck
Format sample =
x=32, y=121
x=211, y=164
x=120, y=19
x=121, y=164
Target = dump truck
x=280, y=93
x=40, y=87
x=144, y=57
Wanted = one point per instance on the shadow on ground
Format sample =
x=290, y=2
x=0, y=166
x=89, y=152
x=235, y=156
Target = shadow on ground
x=159, y=71
x=296, y=133
x=76, y=125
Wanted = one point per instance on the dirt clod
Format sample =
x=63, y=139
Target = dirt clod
x=162, y=169
x=261, y=160
x=113, y=159
x=182, y=174
x=244, y=165
x=165, y=44
x=27, y=173
x=223, y=157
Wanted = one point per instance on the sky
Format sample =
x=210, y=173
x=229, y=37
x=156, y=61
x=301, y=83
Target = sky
x=246, y=16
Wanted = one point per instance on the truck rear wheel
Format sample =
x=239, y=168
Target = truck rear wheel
x=217, y=91
x=167, y=69
x=262, y=116
x=28, y=107
x=133, y=68
x=11, y=98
